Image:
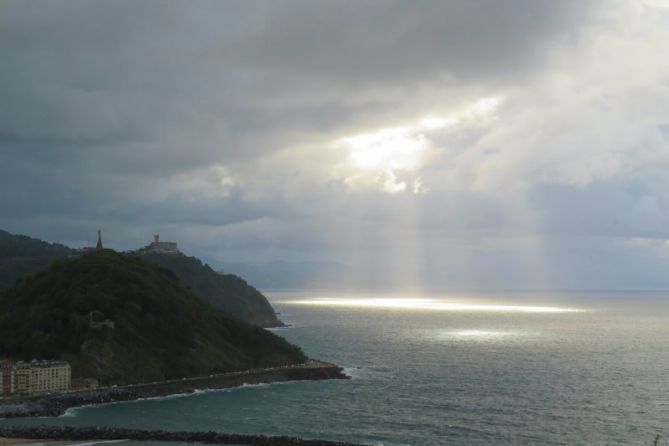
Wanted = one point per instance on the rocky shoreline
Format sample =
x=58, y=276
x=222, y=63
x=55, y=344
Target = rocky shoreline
x=106, y=433
x=57, y=404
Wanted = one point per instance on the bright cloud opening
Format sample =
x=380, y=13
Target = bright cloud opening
x=388, y=149
x=379, y=158
x=664, y=4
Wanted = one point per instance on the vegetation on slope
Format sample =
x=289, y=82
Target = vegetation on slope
x=160, y=329
x=20, y=254
x=225, y=291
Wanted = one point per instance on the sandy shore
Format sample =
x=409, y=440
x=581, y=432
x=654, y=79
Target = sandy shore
x=33, y=442
x=107, y=434
x=46, y=442
x=23, y=441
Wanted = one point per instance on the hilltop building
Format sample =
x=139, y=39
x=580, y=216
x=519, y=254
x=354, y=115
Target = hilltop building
x=159, y=247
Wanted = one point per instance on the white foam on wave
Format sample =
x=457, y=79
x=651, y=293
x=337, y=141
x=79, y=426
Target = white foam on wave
x=361, y=372
x=72, y=411
x=245, y=385
x=352, y=372
x=92, y=443
x=286, y=327
x=381, y=443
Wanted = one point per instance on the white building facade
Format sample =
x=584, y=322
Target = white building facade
x=39, y=377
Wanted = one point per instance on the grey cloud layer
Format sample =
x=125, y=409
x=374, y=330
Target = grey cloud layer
x=214, y=121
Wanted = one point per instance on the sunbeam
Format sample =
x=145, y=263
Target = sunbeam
x=428, y=304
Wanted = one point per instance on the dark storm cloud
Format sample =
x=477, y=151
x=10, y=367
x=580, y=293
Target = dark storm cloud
x=182, y=117
x=369, y=41
x=170, y=73
x=152, y=88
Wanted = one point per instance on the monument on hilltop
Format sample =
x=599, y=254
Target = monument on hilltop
x=160, y=247
x=99, y=246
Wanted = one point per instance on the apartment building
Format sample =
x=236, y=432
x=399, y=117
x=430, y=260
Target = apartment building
x=37, y=377
x=6, y=377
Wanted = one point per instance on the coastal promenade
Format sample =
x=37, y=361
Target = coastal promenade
x=56, y=404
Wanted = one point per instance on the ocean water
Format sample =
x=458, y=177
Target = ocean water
x=496, y=368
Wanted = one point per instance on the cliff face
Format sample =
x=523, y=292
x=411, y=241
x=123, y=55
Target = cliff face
x=228, y=292
x=123, y=320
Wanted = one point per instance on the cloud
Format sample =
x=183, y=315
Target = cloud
x=272, y=130
x=376, y=159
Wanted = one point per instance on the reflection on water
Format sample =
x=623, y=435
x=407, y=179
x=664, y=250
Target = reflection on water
x=498, y=374
x=481, y=334
x=428, y=304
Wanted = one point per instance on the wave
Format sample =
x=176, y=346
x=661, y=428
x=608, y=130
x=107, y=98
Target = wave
x=92, y=443
x=356, y=372
x=72, y=412
x=286, y=327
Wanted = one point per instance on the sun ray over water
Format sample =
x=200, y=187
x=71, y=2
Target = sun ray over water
x=429, y=304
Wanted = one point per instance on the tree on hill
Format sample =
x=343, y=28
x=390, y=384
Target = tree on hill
x=20, y=254
x=160, y=329
x=225, y=291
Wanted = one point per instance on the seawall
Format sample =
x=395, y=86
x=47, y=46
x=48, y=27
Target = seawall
x=57, y=404
x=104, y=433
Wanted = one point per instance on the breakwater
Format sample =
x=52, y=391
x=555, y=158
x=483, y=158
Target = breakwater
x=106, y=433
x=57, y=404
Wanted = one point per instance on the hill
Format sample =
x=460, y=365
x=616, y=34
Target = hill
x=225, y=291
x=124, y=320
x=20, y=254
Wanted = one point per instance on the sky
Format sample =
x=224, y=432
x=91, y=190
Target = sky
x=428, y=144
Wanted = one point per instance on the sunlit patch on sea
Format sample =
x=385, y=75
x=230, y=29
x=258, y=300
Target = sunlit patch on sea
x=494, y=369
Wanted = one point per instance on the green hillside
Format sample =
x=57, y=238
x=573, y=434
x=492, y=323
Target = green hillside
x=20, y=254
x=145, y=327
x=225, y=291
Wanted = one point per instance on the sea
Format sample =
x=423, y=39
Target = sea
x=502, y=368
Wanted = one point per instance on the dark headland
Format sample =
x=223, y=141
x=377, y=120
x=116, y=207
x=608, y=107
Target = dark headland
x=142, y=326
x=20, y=255
x=123, y=320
